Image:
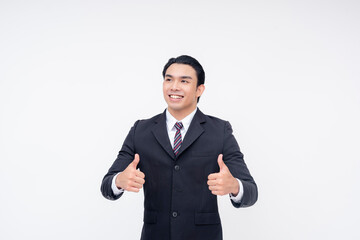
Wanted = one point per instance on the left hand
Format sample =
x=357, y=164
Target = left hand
x=223, y=182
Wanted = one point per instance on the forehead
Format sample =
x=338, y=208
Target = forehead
x=178, y=70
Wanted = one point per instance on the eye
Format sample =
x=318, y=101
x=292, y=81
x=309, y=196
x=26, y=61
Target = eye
x=184, y=81
x=167, y=79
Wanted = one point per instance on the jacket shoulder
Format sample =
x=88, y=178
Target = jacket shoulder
x=215, y=120
x=152, y=119
x=217, y=123
x=148, y=121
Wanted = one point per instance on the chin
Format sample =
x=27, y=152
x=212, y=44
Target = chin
x=175, y=107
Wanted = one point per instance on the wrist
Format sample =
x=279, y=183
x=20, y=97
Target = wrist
x=236, y=187
x=117, y=181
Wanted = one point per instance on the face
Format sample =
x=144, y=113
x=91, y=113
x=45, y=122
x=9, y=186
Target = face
x=180, y=90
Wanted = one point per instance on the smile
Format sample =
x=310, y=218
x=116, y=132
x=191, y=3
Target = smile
x=175, y=96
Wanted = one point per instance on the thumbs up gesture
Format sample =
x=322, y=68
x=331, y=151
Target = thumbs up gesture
x=223, y=182
x=131, y=179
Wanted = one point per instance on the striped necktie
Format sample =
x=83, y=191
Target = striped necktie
x=177, y=139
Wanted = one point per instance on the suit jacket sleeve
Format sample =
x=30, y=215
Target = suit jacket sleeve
x=124, y=158
x=234, y=160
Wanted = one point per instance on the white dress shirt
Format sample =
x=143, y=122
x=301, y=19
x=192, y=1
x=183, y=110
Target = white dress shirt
x=170, y=123
x=171, y=129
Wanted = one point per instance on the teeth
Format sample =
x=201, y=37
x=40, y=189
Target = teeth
x=174, y=96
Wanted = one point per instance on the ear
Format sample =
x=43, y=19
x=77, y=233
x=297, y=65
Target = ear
x=199, y=90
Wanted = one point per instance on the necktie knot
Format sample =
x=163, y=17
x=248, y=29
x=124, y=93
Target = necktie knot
x=178, y=125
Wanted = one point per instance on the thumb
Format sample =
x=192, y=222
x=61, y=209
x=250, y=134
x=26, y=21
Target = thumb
x=135, y=161
x=221, y=162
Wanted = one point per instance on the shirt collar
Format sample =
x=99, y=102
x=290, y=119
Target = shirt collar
x=170, y=120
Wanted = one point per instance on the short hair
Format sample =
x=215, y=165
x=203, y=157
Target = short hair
x=185, y=59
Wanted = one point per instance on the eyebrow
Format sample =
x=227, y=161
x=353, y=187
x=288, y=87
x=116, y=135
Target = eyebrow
x=182, y=77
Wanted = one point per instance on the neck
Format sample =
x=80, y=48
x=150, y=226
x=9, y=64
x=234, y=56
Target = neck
x=180, y=115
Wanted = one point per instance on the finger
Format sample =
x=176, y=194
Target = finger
x=218, y=193
x=211, y=182
x=135, y=161
x=221, y=162
x=136, y=185
x=215, y=192
x=139, y=180
x=140, y=174
x=132, y=189
x=213, y=188
x=213, y=176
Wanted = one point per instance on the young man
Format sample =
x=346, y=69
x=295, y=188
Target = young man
x=185, y=159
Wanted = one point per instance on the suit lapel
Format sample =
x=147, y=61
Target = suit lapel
x=194, y=131
x=160, y=132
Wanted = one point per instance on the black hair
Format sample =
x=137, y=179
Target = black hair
x=185, y=59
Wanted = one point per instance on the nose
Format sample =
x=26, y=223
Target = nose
x=174, y=86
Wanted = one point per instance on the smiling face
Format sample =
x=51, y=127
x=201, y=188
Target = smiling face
x=180, y=90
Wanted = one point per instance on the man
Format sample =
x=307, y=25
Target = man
x=183, y=159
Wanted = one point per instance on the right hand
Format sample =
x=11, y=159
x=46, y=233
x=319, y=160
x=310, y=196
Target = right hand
x=131, y=179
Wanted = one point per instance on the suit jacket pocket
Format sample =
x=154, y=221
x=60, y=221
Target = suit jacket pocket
x=150, y=216
x=207, y=218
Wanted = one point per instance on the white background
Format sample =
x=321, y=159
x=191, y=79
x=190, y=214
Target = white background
x=76, y=75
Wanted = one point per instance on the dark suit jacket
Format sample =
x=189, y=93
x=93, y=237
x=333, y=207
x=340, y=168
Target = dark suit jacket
x=178, y=204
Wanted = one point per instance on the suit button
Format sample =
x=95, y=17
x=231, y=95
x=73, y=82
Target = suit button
x=177, y=167
x=174, y=214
